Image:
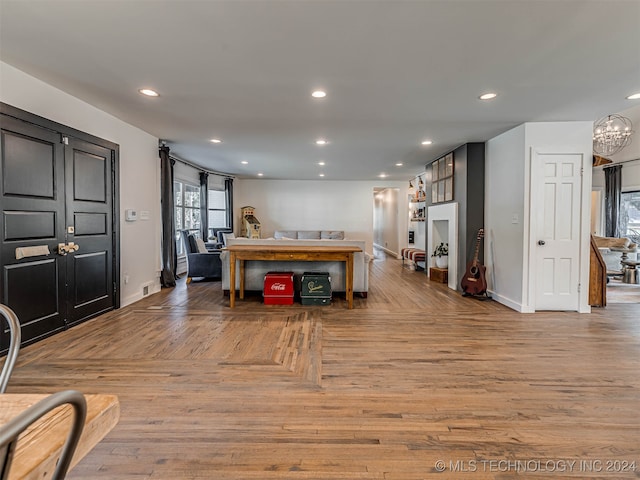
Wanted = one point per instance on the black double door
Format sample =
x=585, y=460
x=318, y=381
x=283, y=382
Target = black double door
x=59, y=242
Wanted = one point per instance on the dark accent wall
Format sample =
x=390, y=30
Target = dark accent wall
x=468, y=192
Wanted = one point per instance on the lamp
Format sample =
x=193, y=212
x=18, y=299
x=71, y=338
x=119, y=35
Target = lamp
x=611, y=134
x=420, y=183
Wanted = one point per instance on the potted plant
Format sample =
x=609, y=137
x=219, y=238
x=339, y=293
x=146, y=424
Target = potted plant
x=441, y=253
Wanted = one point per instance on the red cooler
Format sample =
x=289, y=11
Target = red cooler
x=278, y=288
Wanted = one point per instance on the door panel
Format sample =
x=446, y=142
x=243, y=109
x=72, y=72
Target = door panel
x=89, y=212
x=32, y=292
x=558, y=231
x=32, y=161
x=29, y=163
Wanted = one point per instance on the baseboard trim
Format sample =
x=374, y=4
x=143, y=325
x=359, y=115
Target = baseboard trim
x=507, y=302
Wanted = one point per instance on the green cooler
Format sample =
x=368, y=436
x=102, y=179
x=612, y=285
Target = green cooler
x=315, y=288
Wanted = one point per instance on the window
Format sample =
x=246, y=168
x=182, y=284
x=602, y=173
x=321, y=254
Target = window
x=187, y=210
x=217, y=214
x=630, y=215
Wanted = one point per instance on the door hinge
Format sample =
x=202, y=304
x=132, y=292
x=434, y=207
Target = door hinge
x=581, y=171
x=64, y=139
x=579, y=287
x=115, y=288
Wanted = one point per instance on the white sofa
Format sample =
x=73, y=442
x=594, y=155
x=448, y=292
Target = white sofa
x=255, y=270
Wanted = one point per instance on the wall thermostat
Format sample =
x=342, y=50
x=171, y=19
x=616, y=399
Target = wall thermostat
x=130, y=215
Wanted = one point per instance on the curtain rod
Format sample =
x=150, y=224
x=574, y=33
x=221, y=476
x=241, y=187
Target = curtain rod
x=198, y=167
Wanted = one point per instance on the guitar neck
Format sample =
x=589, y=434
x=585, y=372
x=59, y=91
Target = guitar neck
x=477, y=252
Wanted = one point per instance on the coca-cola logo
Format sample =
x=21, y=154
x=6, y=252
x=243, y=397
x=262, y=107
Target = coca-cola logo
x=278, y=286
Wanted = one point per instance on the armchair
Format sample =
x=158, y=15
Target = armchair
x=200, y=264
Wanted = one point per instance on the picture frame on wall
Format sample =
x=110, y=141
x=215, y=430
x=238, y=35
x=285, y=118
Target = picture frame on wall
x=442, y=174
x=448, y=169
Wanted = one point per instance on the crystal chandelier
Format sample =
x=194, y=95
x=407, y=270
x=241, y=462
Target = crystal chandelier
x=611, y=134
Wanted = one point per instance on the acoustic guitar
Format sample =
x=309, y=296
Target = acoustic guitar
x=474, y=281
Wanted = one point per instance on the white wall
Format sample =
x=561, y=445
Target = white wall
x=576, y=137
x=139, y=171
x=507, y=207
x=504, y=203
x=388, y=218
x=314, y=205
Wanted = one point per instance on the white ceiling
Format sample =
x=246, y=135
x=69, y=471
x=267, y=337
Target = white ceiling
x=396, y=72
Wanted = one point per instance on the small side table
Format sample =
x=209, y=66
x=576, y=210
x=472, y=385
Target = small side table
x=623, y=258
x=630, y=272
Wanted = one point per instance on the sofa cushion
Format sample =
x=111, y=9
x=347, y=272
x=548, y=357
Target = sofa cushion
x=332, y=235
x=290, y=234
x=201, y=246
x=193, y=245
x=226, y=236
x=309, y=235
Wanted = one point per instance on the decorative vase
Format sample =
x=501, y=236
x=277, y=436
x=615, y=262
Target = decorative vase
x=442, y=262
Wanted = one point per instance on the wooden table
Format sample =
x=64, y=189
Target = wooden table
x=289, y=253
x=39, y=447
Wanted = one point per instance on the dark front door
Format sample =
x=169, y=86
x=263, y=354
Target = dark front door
x=89, y=206
x=57, y=251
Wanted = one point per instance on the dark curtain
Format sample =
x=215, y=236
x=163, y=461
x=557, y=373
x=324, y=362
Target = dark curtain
x=228, y=186
x=204, y=205
x=169, y=256
x=612, y=190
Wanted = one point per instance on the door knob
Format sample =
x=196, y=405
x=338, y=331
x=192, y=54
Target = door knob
x=541, y=242
x=63, y=248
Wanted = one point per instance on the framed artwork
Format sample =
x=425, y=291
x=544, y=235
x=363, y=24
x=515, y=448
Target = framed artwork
x=434, y=171
x=448, y=165
x=442, y=179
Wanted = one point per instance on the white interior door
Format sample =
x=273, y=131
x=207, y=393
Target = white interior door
x=557, y=235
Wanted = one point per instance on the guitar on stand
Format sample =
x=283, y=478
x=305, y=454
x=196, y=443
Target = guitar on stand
x=474, y=282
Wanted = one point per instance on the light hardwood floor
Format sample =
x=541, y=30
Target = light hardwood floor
x=415, y=374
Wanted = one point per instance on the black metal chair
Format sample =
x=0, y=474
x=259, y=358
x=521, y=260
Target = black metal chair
x=200, y=265
x=14, y=345
x=10, y=431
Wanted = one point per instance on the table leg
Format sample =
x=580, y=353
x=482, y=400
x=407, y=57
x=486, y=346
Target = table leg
x=232, y=279
x=241, y=279
x=349, y=281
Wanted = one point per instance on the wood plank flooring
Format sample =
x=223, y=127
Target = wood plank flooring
x=413, y=375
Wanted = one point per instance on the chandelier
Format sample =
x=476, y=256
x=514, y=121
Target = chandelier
x=611, y=134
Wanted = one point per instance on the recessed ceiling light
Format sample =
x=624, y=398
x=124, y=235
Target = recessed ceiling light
x=382, y=175
x=322, y=164
x=319, y=94
x=215, y=140
x=321, y=141
x=488, y=96
x=427, y=142
x=260, y=174
x=244, y=162
x=148, y=92
x=635, y=96
x=321, y=175
x=399, y=164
